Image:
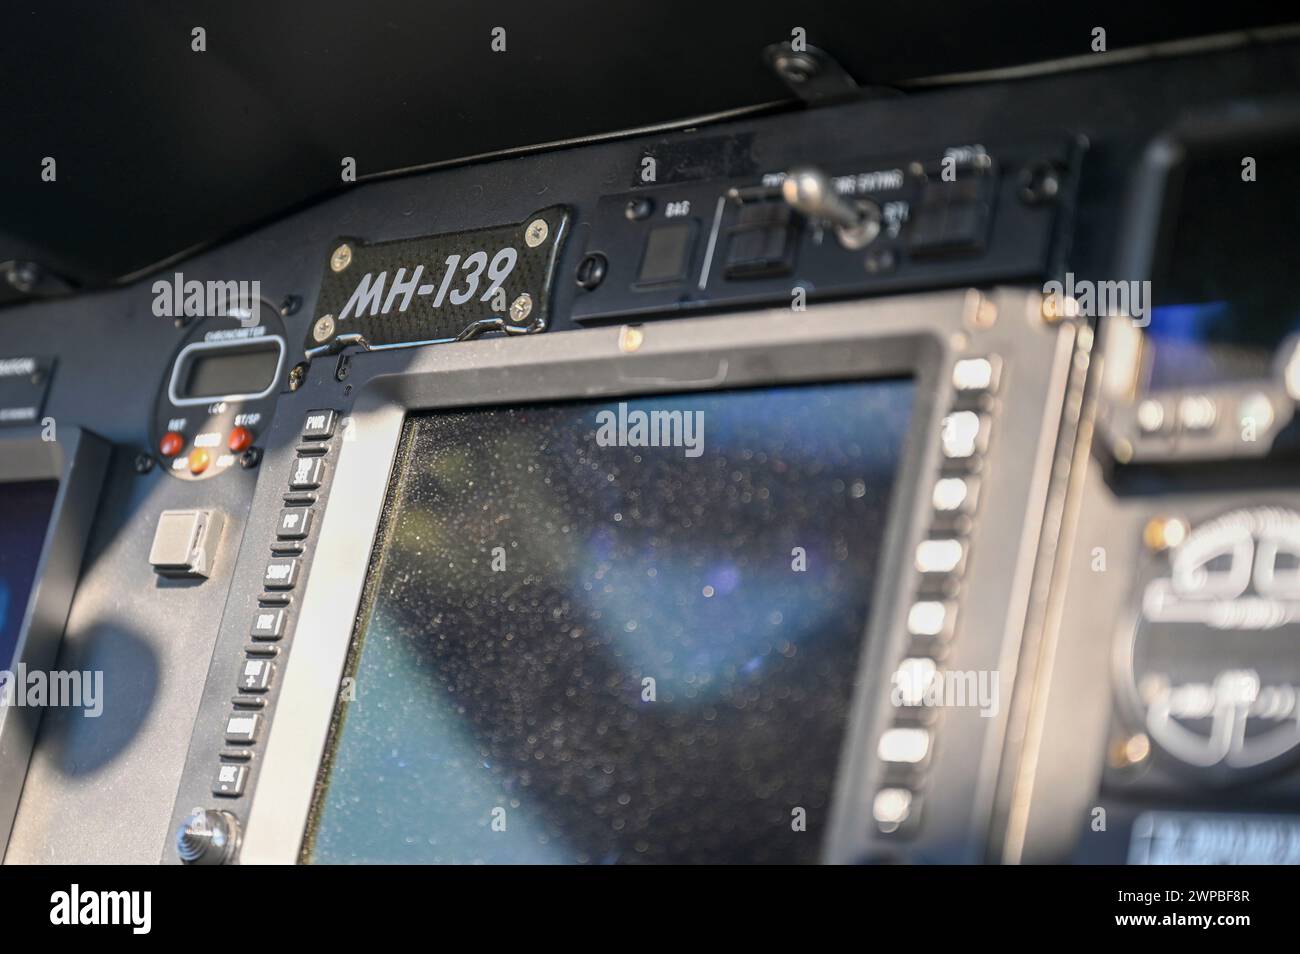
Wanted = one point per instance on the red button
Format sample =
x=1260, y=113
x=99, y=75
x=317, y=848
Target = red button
x=199, y=460
x=241, y=438
x=171, y=444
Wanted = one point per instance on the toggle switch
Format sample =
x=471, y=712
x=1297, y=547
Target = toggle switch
x=808, y=190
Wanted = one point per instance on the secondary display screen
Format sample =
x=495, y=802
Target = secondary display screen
x=609, y=632
x=1225, y=288
x=25, y=509
x=249, y=370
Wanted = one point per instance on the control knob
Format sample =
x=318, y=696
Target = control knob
x=208, y=837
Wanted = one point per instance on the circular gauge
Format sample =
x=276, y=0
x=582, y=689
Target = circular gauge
x=1211, y=670
x=219, y=392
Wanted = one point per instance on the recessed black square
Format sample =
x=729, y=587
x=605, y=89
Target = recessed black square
x=667, y=253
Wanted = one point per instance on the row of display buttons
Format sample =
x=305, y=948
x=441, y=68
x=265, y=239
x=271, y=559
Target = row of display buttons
x=1199, y=413
x=244, y=724
x=905, y=748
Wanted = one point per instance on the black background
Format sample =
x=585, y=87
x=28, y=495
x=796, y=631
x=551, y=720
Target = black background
x=948, y=906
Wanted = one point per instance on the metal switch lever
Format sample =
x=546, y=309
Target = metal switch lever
x=808, y=190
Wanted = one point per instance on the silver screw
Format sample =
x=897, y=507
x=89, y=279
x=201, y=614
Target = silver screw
x=341, y=258
x=323, y=328
x=1132, y=751
x=536, y=232
x=980, y=311
x=630, y=338
x=521, y=307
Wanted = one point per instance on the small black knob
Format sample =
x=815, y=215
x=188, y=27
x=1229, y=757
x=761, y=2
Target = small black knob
x=591, y=271
x=638, y=208
x=208, y=837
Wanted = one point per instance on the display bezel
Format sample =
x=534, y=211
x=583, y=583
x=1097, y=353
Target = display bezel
x=183, y=365
x=918, y=337
x=78, y=461
x=405, y=464
x=1156, y=196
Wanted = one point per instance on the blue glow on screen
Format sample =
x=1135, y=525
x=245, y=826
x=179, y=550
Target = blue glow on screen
x=523, y=691
x=1188, y=322
x=1205, y=343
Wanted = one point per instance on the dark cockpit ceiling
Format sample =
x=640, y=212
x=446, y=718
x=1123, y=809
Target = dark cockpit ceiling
x=161, y=149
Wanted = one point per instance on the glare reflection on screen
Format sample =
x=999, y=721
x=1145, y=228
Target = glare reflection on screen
x=1196, y=344
x=602, y=654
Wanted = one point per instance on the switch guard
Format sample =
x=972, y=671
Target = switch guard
x=185, y=543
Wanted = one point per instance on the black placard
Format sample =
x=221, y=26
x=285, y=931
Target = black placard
x=24, y=381
x=444, y=287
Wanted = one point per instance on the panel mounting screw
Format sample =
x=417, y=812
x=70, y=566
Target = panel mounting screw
x=980, y=311
x=143, y=463
x=630, y=338
x=521, y=307
x=536, y=232
x=1164, y=533
x=341, y=258
x=796, y=68
x=591, y=271
x=1130, y=752
x=297, y=375
x=323, y=328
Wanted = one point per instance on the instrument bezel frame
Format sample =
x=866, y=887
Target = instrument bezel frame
x=78, y=460
x=920, y=336
x=1152, y=206
x=181, y=363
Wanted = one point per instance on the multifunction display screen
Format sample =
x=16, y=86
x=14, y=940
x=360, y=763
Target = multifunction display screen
x=25, y=508
x=613, y=632
x=1224, y=285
